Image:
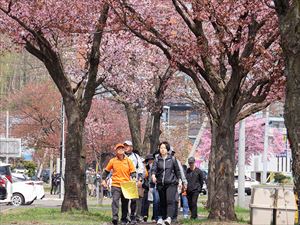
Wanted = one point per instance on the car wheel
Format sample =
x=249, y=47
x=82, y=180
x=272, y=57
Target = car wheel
x=17, y=199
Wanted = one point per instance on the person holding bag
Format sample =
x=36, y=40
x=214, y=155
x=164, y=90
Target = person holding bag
x=123, y=170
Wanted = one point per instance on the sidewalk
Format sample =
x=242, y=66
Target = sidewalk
x=90, y=200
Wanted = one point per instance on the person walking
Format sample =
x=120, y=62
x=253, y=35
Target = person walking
x=135, y=204
x=181, y=187
x=122, y=171
x=166, y=173
x=183, y=198
x=146, y=185
x=195, y=183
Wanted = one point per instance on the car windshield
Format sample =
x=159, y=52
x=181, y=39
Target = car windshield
x=5, y=170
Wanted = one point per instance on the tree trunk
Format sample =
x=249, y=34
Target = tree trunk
x=147, y=134
x=75, y=188
x=42, y=162
x=290, y=35
x=292, y=114
x=155, y=132
x=222, y=166
x=211, y=166
x=134, y=121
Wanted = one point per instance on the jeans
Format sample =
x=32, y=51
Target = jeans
x=155, y=204
x=185, y=205
x=192, y=200
x=167, y=194
x=116, y=195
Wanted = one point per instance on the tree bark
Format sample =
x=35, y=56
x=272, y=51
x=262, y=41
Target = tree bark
x=155, y=132
x=134, y=121
x=290, y=35
x=75, y=196
x=221, y=169
x=211, y=167
x=147, y=134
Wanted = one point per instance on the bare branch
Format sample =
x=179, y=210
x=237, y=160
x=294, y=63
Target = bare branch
x=187, y=19
x=94, y=59
x=251, y=110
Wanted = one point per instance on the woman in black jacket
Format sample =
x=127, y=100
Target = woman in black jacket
x=165, y=174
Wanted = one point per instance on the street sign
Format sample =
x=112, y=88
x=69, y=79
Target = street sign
x=10, y=147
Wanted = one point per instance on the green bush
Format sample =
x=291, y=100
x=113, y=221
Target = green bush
x=281, y=178
x=30, y=167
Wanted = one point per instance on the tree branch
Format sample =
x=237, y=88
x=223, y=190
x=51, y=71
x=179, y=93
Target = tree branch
x=187, y=19
x=94, y=59
x=282, y=6
x=251, y=110
x=205, y=95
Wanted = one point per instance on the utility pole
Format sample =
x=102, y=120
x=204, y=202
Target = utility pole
x=266, y=146
x=7, y=134
x=62, y=152
x=241, y=165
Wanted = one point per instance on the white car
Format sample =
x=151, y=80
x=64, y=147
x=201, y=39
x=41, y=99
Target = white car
x=249, y=182
x=19, y=190
x=38, y=185
x=6, y=180
x=23, y=192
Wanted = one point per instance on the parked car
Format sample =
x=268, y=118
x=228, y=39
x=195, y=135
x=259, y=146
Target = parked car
x=249, y=182
x=6, y=180
x=23, y=193
x=3, y=191
x=20, y=190
x=45, y=175
x=38, y=185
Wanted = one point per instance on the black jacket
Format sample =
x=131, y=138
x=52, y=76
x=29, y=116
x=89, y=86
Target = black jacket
x=166, y=170
x=195, y=180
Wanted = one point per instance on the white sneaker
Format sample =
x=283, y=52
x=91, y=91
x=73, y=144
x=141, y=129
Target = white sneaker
x=160, y=222
x=185, y=216
x=168, y=221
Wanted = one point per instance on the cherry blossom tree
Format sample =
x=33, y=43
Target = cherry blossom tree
x=140, y=83
x=66, y=36
x=36, y=108
x=288, y=14
x=106, y=125
x=254, y=138
x=230, y=49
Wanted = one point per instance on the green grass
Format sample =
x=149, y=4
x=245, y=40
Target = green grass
x=243, y=216
x=54, y=216
x=96, y=215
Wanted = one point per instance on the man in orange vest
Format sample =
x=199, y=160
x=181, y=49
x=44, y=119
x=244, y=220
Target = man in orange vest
x=122, y=171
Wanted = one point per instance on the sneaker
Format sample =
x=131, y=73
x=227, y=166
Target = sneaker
x=160, y=222
x=145, y=218
x=181, y=209
x=185, y=216
x=115, y=222
x=124, y=222
x=168, y=221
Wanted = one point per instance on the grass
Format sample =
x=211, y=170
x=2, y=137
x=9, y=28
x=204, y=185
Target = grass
x=243, y=216
x=99, y=215
x=46, y=216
